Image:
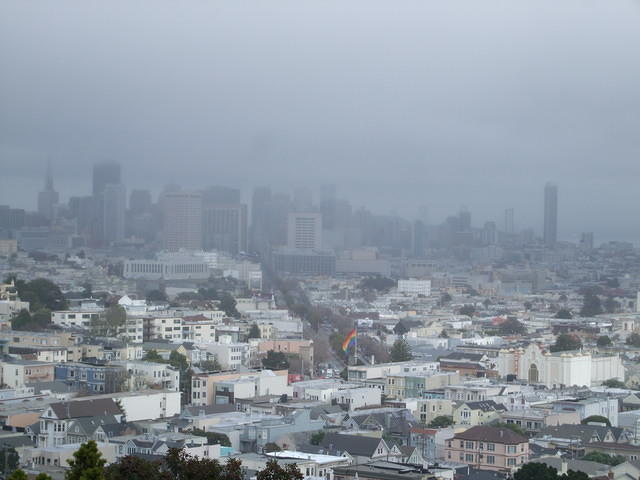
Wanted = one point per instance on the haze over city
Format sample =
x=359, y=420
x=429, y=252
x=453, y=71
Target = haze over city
x=444, y=104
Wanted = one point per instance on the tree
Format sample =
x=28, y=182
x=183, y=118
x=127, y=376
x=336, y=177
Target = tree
x=228, y=304
x=596, y=419
x=441, y=421
x=377, y=283
x=183, y=466
x=610, y=305
x=601, y=457
x=564, y=314
x=445, y=298
x=211, y=365
x=400, y=328
x=156, y=295
x=273, y=471
x=565, y=342
x=603, y=341
x=179, y=361
x=213, y=438
x=135, y=468
x=633, y=340
x=153, y=356
x=87, y=463
x=275, y=361
x=400, y=352
x=43, y=476
x=115, y=318
x=87, y=290
x=22, y=321
x=316, y=438
x=467, y=310
x=254, y=331
x=591, y=305
x=18, y=475
x=511, y=426
x=613, y=383
x=41, y=293
x=511, y=326
x=536, y=471
x=9, y=459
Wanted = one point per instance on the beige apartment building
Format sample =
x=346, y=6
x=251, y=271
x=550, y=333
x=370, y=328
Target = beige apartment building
x=489, y=448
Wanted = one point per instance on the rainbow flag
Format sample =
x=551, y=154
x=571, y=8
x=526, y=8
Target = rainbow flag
x=349, y=340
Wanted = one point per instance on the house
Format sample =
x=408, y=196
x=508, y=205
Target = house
x=579, y=437
x=430, y=408
x=468, y=364
x=562, y=465
x=381, y=470
x=360, y=448
x=17, y=373
x=589, y=406
x=533, y=420
x=53, y=428
x=478, y=413
x=93, y=378
x=424, y=440
x=489, y=448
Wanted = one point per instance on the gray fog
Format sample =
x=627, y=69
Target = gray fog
x=400, y=103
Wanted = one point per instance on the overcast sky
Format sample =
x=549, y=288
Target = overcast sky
x=401, y=103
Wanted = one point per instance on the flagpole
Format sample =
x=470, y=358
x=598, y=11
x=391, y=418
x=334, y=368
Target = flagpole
x=355, y=350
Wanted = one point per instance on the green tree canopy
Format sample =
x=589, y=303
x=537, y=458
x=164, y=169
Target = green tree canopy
x=512, y=327
x=613, y=383
x=213, y=438
x=566, y=342
x=467, y=310
x=254, y=331
x=602, y=457
x=274, y=471
x=591, y=305
x=401, y=351
x=18, y=475
x=511, y=426
x=275, y=361
x=228, y=304
x=633, y=340
x=564, y=313
x=316, y=438
x=400, y=328
x=377, y=283
x=596, y=419
x=441, y=421
x=153, y=356
x=41, y=293
x=603, y=341
x=156, y=295
x=87, y=463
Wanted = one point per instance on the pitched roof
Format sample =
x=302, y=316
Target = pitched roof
x=353, y=444
x=486, y=406
x=586, y=433
x=86, y=408
x=473, y=357
x=491, y=434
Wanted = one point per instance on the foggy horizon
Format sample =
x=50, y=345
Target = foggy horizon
x=443, y=104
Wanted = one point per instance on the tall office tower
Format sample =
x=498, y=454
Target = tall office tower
x=302, y=200
x=113, y=204
x=140, y=201
x=305, y=231
x=550, y=214
x=224, y=220
x=103, y=174
x=465, y=220
x=260, y=205
x=182, y=220
x=328, y=206
x=586, y=241
x=419, y=239
x=490, y=233
x=509, y=226
x=83, y=212
x=48, y=199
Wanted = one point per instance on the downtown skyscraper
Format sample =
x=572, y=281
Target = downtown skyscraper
x=550, y=235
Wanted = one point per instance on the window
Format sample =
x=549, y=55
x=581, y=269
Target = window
x=469, y=457
x=469, y=444
x=491, y=447
x=511, y=449
x=491, y=459
x=511, y=461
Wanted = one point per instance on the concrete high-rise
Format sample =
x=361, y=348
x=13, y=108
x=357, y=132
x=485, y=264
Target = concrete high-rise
x=304, y=231
x=550, y=235
x=509, y=226
x=104, y=174
x=224, y=220
x=48, y=198
x=113, y=213
x=182, y=220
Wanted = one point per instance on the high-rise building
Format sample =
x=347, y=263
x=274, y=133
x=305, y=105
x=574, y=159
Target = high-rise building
x=113, y=205
x=260, y=208
x=140, y=201
x=586, y=241
x=182, y=220
x=550, y=214
x=509, y=226
x=104, y=174
x=224, y=227
x=490, y=233
x=419, y=239
x=305, y=231
x=302, y=199
x=48, y=198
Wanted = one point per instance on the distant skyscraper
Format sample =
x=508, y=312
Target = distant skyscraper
x=419, y=239
x=224, y=220
x=113, y=204
x=182, y=220
x=490, y=233
x=302, y=199
x=260, y=207
x=550, y=214
x=140, y=201
x=48, y=198
x=509, y=226
x=104, y=174
x=305, y=231
x=586, y=241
